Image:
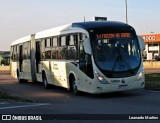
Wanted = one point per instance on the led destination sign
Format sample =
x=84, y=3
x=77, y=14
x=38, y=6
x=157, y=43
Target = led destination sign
x=113, y=35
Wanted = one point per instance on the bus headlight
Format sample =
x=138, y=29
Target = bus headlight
x=140, y=75
x=101, y=78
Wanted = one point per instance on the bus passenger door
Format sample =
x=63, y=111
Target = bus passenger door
x=20, y=58
x=85, y=62
x=38, y=56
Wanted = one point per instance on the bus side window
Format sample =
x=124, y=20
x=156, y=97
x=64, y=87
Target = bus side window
x=25, y=50
x=15, y=53
x=11, y=53
x=62, y=48
x=55, y=48
x=81, y=47
x=72, y=48
x=82, y=36
x=81, y=51
x=48, y=48
x=82, y=62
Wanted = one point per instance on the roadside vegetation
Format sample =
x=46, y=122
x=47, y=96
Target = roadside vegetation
x=152, y=81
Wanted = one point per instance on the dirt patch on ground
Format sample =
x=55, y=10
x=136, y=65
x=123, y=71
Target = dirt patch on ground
x=4, y=68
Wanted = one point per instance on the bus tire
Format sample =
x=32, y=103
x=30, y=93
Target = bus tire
x=45, y=81
x=19, y=78
x=74, y=86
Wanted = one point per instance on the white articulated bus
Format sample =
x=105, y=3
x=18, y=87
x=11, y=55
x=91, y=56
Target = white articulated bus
x=93, y=57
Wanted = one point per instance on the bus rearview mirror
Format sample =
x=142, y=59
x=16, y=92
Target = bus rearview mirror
x=141, y=43
x=87, y=46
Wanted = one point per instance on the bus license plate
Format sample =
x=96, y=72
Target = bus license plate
x=123, y=86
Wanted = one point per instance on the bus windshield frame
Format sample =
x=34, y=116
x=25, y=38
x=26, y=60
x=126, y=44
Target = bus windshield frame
x=116, y=54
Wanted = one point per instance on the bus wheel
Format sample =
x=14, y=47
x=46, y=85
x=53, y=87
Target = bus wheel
x=19, y=78
x=74, y=86
x=45, y=81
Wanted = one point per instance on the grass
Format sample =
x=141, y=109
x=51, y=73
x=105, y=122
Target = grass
x=152, y=81
x=4, y=96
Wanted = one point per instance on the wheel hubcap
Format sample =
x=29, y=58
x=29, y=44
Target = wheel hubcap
x=45, y=82
x=74, y=86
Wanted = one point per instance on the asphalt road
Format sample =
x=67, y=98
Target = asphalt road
x=60, y=101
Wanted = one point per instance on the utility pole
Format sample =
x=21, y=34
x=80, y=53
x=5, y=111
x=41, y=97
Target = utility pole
x=126, y=12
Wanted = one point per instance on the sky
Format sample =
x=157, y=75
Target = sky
x=19, y=18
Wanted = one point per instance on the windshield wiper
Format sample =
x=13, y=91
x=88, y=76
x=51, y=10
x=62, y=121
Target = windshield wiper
x=129, y=67
x=119, y=59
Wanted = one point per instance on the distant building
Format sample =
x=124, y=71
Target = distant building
x=152, y=46
x=4, y=58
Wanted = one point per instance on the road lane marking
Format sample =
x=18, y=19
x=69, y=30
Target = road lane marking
x=24, y=106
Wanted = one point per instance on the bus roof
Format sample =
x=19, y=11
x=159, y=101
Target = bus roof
x=21, y=40
x=96, y=24
x=42, y=34
x=83, y=25
x=50, y=32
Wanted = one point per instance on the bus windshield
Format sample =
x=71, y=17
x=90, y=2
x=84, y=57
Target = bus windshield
x=116, y=54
